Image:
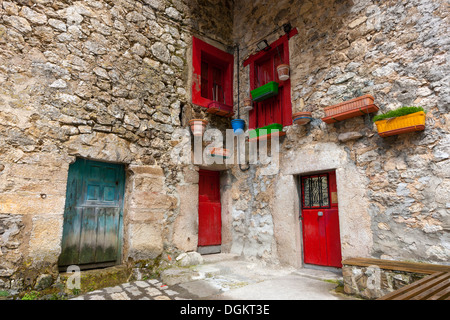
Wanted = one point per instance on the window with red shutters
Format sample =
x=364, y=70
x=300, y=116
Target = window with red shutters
x=212, y=74
x=277, y=109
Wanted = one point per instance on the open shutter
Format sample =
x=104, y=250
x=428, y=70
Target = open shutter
x=277, y=109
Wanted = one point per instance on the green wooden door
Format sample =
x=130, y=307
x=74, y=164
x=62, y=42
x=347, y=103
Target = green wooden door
x=93, y=214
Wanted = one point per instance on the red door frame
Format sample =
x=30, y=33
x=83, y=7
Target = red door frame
x=209, y=209
x=320, y=226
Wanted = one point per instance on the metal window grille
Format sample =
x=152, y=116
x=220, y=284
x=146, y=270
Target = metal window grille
x=315, y=191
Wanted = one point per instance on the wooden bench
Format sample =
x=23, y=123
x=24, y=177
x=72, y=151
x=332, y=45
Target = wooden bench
x=434, y=286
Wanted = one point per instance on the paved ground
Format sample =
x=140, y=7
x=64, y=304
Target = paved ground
x=224, y=277
x=138, y=290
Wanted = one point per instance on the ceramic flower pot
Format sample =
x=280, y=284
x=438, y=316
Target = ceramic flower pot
x=248, y=104
x=238, y=126
x=301, y=118
x=283, y=72
x=198, y=126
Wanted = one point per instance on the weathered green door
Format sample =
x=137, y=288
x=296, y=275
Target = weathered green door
x=93, y=214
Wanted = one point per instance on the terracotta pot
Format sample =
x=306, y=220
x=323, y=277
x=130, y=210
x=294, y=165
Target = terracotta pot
x=198, y=126
x=404, y=124
x=301, y=118
x=349, y=109
x=283, y=72
x=248, y=104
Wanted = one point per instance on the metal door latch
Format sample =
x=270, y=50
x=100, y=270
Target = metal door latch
x=320, y=214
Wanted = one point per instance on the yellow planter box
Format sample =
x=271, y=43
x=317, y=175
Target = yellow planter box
x=409, y=123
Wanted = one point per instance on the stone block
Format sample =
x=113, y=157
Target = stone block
x=45, y=238
x=31, y=204
x=189, y=259
x=185, y=234
x=146, y=215
x=150, y=170
x=145, y=240
x=349, y=136
x=149, y=184
x=152, y=200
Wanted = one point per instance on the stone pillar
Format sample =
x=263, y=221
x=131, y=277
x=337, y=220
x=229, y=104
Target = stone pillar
x=146, y=206
x=185, y=231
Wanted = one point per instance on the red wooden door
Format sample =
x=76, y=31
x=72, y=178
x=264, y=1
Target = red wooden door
x=320, y=220
x=209, y=209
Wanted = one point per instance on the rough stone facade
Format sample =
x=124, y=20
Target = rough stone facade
x=104, y=80
x=393, y=192
x=110, y=81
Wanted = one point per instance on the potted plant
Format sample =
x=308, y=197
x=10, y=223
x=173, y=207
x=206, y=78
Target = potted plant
x=303, y=115
x=283, y=71
x=198, y=126
x=349, y=109
x=401, y=120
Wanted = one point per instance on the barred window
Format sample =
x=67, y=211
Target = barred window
x=315, y=193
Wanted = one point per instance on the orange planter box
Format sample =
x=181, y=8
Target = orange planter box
x=404, y=124
x=349, y=109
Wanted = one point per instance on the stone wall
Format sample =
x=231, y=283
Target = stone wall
x=393, y=192
x=104, y=80
x=110, y=81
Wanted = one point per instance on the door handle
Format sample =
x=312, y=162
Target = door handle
x=320, y=214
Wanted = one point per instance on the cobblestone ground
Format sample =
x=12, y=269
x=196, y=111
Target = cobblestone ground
x=138, y=290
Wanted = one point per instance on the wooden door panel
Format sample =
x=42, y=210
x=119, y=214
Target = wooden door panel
x=209, y=209
x=209, y=224
x=93, y=213
x=333, y=242
x=320, y=221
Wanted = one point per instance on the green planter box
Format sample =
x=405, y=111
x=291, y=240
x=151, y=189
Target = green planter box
x=274, y=127
x=265, y=92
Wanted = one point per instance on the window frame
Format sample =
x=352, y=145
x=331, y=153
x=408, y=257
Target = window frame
x=258, y=58
x=303, y=192
x=202, y=51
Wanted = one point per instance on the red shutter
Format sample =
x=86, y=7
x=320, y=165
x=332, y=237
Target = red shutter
x=277, y=109
x=212, y=68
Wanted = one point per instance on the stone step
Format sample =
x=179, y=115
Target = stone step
x=98, y=278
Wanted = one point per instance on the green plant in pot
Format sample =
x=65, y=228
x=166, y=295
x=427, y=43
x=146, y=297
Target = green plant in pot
x=401, y=120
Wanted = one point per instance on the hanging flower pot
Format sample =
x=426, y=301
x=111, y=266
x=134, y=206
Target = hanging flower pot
x=238, y=126
x=301, y=118
x=403, y=120
x=283, y=72
x=248, y=104
x=198, y=126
